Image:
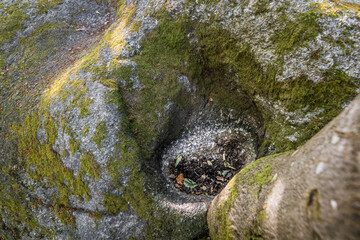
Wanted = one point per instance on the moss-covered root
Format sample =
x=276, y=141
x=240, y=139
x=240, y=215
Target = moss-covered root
x=254, y=180
x=306, y=194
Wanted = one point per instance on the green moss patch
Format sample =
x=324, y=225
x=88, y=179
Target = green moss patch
x=65, y=215
x=15, y=207
x=45, y=5
x=84, y=106
x=74, y=145
x=115, y=204
x=85, y=130
x=100, y=133
x=337, y=8
x=133, y=192
x=11, y=20
x=90, y=166
x=253, y=177
x=256, y=232
x=297, y=33
x=37, y=46
x=44, y=165
x=262, y=177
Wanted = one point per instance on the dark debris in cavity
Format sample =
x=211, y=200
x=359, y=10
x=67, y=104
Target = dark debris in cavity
x=211, y=174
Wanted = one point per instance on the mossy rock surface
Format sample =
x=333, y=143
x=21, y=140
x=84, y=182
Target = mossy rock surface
x=295, y=195
x=92, y=91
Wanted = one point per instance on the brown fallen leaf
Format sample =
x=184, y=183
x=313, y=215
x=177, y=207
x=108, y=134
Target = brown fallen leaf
x=172, y=176
x=203, y=177
x=220, y=178
x=180, y=179
x=80, y=28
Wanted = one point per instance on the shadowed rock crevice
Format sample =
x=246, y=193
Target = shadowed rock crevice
x=212, y=148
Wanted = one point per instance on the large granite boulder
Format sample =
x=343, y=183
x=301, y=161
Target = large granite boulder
x=96, y=95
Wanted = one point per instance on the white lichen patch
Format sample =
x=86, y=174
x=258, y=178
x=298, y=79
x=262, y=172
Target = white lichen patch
x=293, y=137
x=335, y=139
x=202, y=140
x=272, y=206
x=334, y=204
x=320, y=168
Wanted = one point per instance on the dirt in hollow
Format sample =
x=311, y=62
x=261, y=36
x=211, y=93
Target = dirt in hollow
x=208, y=174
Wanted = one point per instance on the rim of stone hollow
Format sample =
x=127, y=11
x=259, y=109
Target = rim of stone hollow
x=202, y=138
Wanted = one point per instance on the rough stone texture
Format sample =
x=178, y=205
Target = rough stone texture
x=93, y=91
x=309, y=193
